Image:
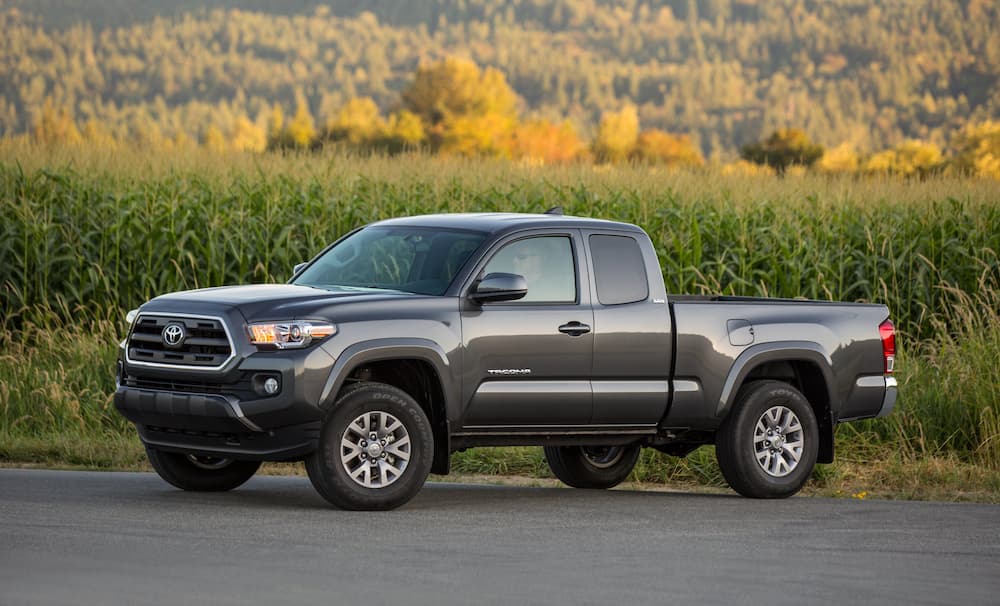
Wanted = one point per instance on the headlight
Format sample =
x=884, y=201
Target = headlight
x=288, y=335
x=130, y=317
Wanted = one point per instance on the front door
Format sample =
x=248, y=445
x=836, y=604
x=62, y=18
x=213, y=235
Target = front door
x=527, y=363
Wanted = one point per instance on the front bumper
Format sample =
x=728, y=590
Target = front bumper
x=210, y=424
x=205, y=412
x=219, y=413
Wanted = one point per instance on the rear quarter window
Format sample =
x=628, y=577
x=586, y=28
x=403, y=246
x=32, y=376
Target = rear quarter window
x=619, y=270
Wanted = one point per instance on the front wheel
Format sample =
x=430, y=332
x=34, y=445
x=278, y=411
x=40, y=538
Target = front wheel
x=592, y=466
x=375, y=449
x=201, y=473
x=768, y=444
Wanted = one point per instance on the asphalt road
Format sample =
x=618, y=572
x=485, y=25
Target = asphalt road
x=127, y=538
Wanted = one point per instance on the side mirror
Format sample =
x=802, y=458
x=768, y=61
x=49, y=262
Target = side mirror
x=298, y=267
x=499, y=287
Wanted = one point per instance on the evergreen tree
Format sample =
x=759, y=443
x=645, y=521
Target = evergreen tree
x=785, y=147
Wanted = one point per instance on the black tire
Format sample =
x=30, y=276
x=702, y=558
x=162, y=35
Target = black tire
x=744, y=449
x=592, y=466
x=202, y=474
x=328, y=468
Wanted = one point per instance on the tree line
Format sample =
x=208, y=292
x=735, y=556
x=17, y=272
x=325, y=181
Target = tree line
x=453, y=107
x=725, y=73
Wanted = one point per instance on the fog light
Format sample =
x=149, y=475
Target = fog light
x=266, y=385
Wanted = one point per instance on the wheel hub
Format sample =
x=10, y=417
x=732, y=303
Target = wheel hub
x=375, y=449
x=209, y=463
x=603, y=457
x=778, y=441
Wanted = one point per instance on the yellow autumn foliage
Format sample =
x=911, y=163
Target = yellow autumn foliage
x=358, y=122
x=910, y=158
x=466, y=110
x=655, y=146
x=977, y=149
x=617, y=135
x=543, y=142
x=839, y=160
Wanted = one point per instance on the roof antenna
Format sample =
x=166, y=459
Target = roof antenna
x=555, y=210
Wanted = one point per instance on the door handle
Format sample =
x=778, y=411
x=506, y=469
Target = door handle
x=574, y=329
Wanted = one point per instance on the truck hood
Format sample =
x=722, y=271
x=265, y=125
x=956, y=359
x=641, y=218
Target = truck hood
x=267, y=301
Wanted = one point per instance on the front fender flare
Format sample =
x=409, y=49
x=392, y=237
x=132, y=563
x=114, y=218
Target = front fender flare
x=388, y=349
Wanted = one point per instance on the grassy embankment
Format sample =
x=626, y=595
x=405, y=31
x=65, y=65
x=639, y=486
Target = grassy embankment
x=84, y=239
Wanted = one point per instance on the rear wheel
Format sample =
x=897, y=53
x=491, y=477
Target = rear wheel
x=375, y=451
x=592, y=466
x=768, y=444
x=201, y=473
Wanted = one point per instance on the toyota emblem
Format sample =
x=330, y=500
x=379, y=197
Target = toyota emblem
x=173, y=334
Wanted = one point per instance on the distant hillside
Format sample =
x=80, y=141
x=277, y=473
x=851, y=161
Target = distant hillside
x=727, y=72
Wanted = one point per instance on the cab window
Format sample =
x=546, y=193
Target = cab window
x=546, y=262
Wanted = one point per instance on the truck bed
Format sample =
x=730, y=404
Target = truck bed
x=717, y=335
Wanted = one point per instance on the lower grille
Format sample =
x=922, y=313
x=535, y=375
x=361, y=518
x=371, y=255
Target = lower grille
x=179, y=340
x=233, y=437
x=155, y=385
x=241, y=389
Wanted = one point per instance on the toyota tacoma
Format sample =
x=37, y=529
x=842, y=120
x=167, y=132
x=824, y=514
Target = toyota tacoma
x=409, y=339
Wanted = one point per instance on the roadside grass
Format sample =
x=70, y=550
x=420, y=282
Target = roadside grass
x=949, y=387
x=59, y=380
x=891, y=475
x=104, y=452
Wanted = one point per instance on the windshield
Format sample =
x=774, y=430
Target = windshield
x=410, y=259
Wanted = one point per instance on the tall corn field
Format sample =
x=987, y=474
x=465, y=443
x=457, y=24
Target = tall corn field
x=79, y=241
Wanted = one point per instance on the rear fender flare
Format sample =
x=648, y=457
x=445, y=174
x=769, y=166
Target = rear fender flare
x=790, y=351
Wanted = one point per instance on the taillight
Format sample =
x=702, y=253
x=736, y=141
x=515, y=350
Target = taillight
x=888, y=334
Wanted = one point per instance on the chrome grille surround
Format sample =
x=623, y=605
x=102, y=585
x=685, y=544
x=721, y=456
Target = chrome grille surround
x=208, y=344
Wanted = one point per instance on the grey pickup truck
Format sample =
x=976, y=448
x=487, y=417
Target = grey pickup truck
x=409, y=339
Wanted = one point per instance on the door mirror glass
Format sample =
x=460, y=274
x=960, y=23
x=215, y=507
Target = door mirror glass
x=499, y=286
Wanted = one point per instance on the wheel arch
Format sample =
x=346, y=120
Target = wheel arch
x=803, y=364
x=416, y=366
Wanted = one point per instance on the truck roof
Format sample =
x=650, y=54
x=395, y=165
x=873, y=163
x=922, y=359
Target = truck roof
x=502, y=222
